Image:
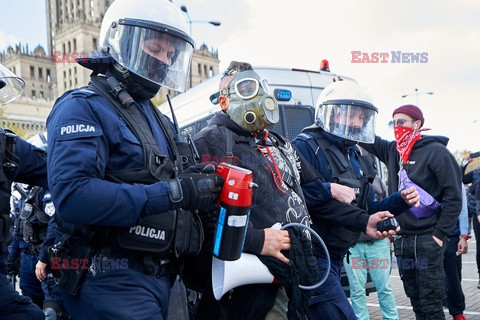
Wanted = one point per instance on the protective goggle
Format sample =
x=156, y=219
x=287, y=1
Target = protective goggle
x=245, y=88
x=398, y=122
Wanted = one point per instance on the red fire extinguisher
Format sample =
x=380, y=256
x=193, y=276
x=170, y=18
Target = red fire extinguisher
x=235, y=201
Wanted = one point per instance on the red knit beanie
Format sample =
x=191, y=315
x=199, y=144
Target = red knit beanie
x=412, y=111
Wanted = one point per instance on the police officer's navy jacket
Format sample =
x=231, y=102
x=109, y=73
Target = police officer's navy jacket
x=86, y=140
x=432, y=167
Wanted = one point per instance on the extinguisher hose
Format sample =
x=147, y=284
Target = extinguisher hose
x=319, y=283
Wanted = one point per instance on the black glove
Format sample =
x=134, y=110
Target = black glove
x=209, y=221
x=13, y=266
x=198, y=188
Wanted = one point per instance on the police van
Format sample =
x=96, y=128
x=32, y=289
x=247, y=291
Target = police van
x=296, y=91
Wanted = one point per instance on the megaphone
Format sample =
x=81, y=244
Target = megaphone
x=227, y=275
x=248, y=269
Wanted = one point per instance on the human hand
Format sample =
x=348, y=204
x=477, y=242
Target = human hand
x=40, y=270
x=275, y=242
x=462, y=246
x=375, y=218
x=342, y=193
x=411, y=196
x=438, y=241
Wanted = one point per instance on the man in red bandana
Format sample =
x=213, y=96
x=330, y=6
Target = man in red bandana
x=422, y=239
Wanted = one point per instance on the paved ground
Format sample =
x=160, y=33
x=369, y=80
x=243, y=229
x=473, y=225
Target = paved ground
x=469, y=285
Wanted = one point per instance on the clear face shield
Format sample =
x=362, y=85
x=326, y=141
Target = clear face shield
x=251, y=106
x=348, y=121
x=161, y=57
x=11, y=86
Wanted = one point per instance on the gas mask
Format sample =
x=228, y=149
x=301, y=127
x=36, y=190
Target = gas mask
x=251, y=106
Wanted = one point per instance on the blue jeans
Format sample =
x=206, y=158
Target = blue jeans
x=329, y=300
x=372, y=256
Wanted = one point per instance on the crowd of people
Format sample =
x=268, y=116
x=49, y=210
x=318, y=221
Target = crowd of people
x=119, y=207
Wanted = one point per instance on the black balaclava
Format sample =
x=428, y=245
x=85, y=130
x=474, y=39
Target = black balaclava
x=138, y=87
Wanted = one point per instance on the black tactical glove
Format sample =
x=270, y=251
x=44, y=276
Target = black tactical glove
x=13, y=266
x=198, y=188
x=209, y=221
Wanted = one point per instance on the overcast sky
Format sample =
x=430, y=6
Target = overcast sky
x=301, y=33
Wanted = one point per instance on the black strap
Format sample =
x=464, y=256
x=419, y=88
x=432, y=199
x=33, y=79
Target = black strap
x=168, y=134
x=140, y=127
x=229, y=141
x=132, y=116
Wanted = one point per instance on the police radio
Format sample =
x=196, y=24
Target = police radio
x=235, y=201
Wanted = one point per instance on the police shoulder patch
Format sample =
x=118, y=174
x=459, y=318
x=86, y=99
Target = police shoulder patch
x=78, y=130
x=49, y=209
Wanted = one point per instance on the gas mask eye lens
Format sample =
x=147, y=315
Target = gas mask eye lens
x=246, y=88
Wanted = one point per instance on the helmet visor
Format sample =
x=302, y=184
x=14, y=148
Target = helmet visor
x=160, y=57
x=350, y=122
x=11, y=86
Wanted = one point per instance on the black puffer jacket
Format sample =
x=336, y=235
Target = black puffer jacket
x=433, y=168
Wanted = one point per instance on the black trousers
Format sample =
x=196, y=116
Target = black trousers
x=453, y=277
x=420, y=264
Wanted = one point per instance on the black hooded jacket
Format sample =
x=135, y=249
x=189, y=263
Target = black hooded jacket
x=432, y=167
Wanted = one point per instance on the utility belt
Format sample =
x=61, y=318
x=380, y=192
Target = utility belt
x=106, y=260
x=146, y=247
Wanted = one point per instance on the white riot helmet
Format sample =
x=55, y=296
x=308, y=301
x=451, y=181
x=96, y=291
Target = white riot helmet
x=39, y=140
x=345, y=109
x=11, y=86
x=150, y=39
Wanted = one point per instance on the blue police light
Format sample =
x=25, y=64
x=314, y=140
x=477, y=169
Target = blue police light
x=282, y=94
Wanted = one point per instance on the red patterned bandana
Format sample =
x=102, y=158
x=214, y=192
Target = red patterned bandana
x=406, y=138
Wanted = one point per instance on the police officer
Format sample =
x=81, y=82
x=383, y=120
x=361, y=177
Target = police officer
x=21, y=162
x=29, y=232
x=115, y=172
x=345, y=115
